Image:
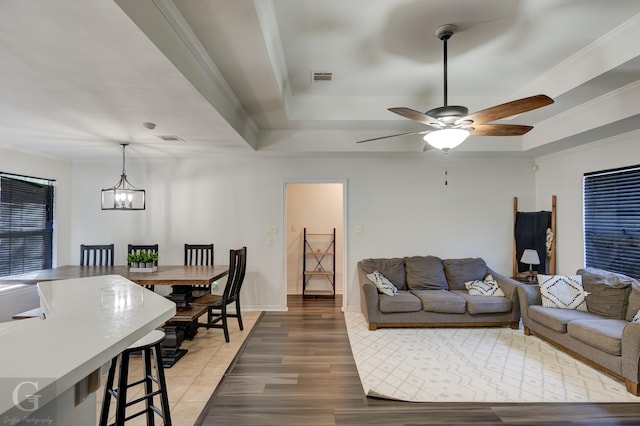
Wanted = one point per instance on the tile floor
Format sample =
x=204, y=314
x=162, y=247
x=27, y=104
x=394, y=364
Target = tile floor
x=192, y=380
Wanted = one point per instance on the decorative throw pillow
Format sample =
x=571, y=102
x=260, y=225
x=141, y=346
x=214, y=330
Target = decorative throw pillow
x=608, y=292
x=564, y=292
x=384, y=285
x=488, y=287
x=636, y=317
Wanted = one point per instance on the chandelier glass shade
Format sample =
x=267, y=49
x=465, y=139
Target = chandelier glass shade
x=123, y=195
x=446, y=139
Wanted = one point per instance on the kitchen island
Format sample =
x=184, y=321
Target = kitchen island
x=50, y=366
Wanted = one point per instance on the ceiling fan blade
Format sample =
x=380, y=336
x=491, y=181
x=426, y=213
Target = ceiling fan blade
x=498, y=129
x=393, y=136
x=508, y=109
x=418, y=116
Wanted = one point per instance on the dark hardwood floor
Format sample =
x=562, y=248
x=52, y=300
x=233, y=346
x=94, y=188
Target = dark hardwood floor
x=297, y=369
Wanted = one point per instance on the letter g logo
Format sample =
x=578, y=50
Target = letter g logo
x=32, y=399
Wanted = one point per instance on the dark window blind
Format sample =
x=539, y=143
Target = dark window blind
x=26, y=224
x=612, y=220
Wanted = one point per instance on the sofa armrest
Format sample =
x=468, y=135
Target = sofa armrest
x=631, y=352
x=508, y=285
x=529, y=295
x=370, y=302
x=369, y=299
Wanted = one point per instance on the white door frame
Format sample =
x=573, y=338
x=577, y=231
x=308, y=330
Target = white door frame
x=345, y=227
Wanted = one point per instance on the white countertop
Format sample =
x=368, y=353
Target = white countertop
x=88, y=322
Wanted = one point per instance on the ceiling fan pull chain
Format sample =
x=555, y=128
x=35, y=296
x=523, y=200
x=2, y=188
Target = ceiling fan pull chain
x=445, y=167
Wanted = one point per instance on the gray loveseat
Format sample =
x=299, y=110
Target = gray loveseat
x=603, y=336
x=432, y=294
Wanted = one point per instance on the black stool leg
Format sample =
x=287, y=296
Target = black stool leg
x=148, y=386
x=164, y=396
x=106, y=402
x=122, y=389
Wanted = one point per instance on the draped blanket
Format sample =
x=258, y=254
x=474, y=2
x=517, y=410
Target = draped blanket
x=531, y=233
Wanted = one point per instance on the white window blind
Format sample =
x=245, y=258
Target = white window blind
x=26, y=224
x=612, y=220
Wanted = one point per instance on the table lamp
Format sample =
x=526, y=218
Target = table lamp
x=530, y=256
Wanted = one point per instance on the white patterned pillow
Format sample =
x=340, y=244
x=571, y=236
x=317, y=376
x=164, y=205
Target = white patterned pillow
x=564, y=292
x=488, y=287
x=384, y=285
x=636, y=317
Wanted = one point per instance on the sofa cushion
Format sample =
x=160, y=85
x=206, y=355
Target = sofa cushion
x=604, y=334
x=557, y=319
x=403, y=301
x=384, y=285
x=392, y=269
x=562, y=292
x=442, y=301
x=484, y=304
x=459, y=271
x=608, y=292
x=425, y=273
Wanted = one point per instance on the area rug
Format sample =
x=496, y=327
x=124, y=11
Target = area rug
x=472, y=365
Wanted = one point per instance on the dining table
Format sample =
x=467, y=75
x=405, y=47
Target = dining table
x=183, y=325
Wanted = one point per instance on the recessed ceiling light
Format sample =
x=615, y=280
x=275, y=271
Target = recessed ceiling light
x=149, y=125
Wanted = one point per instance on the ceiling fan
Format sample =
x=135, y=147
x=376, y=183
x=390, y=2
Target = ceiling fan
x=449, y=125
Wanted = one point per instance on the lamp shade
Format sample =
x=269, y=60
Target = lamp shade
x=447, y=138
x=530, y=256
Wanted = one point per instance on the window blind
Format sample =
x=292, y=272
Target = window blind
x=26, y=224
x=612, y=220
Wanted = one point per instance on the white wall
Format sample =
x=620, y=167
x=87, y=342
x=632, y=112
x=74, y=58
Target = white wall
x=561, y=174
x=319, y=208
x=401, y=203
x=29, y=164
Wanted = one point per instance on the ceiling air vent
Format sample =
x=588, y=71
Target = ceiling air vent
x=171, y=138
x=317, y=77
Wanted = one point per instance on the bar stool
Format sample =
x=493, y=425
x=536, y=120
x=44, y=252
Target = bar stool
x=146, y=345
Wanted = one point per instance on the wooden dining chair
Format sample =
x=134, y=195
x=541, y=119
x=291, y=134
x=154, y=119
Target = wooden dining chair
x=217, y=304
x=199, y=254
x=96, y=254
x=136, y=248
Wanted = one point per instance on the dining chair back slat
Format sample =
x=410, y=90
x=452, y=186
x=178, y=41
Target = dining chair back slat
x=199, y=254
x=101, y=254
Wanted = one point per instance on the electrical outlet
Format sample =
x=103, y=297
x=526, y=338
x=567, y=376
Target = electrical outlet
x=273, y=229
x=358, y=229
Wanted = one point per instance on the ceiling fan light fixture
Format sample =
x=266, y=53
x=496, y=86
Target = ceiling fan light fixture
x=446, y=139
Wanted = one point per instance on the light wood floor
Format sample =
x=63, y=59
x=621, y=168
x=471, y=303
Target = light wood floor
x=297, y=369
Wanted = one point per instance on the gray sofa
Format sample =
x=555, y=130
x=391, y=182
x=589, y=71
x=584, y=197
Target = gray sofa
x=431, y=293
x=603, y=336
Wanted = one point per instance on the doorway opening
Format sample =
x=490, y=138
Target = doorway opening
x=315, y=210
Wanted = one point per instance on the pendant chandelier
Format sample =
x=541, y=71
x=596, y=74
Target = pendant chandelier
x=123, y=195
